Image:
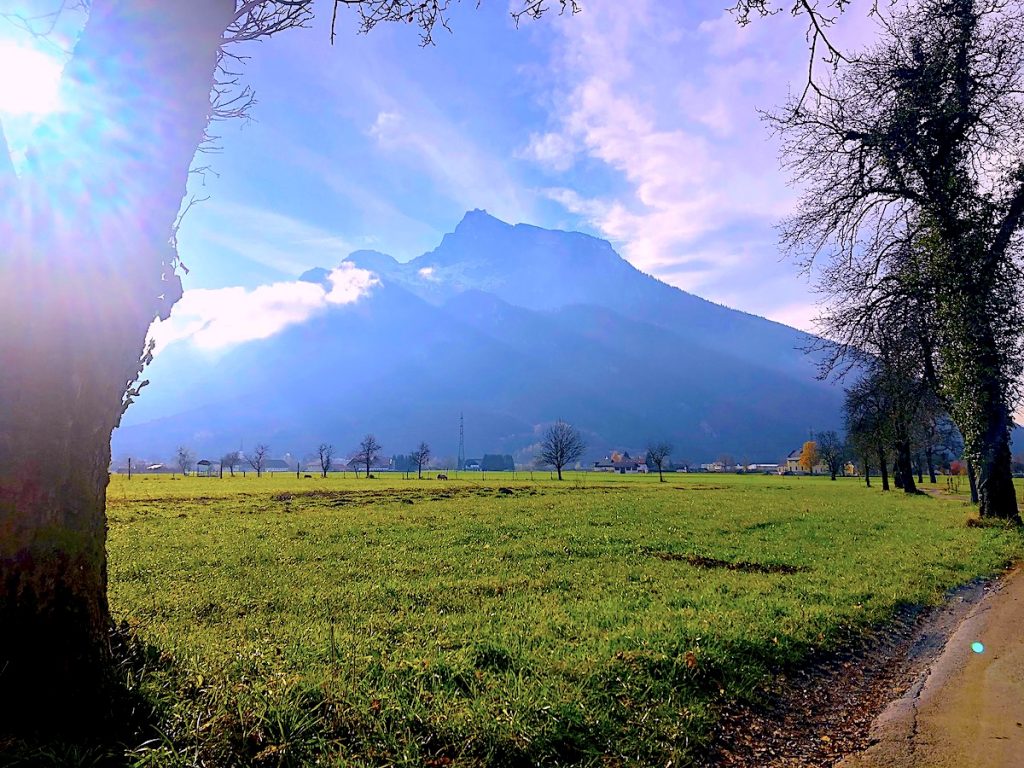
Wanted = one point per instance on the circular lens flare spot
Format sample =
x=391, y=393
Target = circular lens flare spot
x=977, y=647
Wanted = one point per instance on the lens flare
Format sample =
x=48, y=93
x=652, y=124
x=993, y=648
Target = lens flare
x=977, y=647
x=29, y=80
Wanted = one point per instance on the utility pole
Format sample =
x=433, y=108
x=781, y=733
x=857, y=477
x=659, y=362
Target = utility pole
x=462, y=444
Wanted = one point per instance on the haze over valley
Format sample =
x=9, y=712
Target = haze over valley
x=513, y=326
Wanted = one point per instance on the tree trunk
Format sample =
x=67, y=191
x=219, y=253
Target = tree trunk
x=996, y=495
x=930, y=457
x=904, y=462
x=883, y=468
x=920, y=470
x=867, y=474
x=559, y=468
x=85, y=266
x=972, y=481
x=897, y=475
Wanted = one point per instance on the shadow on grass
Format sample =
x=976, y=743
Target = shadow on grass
x=115, y=728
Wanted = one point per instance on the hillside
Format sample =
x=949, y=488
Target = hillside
x=514, y=326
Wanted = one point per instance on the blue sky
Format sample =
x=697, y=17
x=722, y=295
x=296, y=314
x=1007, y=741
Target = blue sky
x=632, y=121
x=636, y=122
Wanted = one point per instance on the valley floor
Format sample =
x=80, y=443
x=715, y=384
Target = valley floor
x=602, y=620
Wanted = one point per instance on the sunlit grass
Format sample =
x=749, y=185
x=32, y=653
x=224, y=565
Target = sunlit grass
x=398, y=621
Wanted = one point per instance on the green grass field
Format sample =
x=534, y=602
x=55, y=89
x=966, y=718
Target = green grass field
x=593, y=621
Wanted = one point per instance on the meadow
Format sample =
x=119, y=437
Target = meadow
x=603, y=620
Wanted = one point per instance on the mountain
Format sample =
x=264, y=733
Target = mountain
x=514, y=326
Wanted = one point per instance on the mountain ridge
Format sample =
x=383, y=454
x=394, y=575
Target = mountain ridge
x=515, y=326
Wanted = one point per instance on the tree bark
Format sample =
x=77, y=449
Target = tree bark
x=996, y=495
x=867, y=474
x=82, y=277
x=883, y=468
x=904, y=463
x=972, y=481
x=930, y=457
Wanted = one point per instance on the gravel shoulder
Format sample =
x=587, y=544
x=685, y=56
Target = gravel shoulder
x=896, y=693
x=968, y=706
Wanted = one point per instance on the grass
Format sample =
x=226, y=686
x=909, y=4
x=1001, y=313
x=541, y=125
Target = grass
x=597, y=621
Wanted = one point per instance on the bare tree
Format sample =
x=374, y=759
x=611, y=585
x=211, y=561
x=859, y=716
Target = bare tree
x=657, y=453
x=420, y=457
x=868, y=427
x=184, y=458
x=258, y=458
x=912, y=161
x=326, y=452
x=562, y=445
x=367, y=453
x=832, y=451
x=229, y=460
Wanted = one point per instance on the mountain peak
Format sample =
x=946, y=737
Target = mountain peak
x=317, y=275
x=479, y=220
x=375, y=261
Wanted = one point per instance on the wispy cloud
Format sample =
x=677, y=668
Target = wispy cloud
x=668, y=101
x=275, y=240
x=454, y=161
x=218, y=318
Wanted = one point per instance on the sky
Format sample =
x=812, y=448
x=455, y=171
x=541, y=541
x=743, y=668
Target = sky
x=636, y=122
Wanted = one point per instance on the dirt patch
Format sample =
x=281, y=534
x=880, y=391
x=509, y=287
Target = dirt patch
x=700, y=561
x=702, y=488
x=814, y=716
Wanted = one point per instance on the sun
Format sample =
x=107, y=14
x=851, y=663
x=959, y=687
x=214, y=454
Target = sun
x=30, y=84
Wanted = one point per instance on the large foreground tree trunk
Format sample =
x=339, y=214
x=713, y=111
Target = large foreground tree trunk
x=85, y=266
x=996, y=495
x=985, y=422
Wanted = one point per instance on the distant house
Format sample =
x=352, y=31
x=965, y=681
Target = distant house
x=765, y=468
x=621, y=463
x=472, y=465
x=792, y=463
x=379, y=464
x=277, y=465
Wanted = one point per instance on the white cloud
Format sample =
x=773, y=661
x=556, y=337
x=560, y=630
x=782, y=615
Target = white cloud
x=217, y=318
x=427, y=273
x=666, y=97
x=386, y=127
x=556, y=151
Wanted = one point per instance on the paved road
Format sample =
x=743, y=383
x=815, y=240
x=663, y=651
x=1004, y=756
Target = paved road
x=967, y=710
